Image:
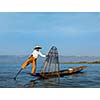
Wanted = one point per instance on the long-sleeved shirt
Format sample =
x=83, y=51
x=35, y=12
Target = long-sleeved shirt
x=36, y=53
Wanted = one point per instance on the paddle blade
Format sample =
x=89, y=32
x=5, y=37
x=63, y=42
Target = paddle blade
x=14, y=78
x=17, y=74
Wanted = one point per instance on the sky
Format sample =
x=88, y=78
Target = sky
x=73, y=33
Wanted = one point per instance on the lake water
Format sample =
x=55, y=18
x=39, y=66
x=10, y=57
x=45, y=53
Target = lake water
x=9, y=65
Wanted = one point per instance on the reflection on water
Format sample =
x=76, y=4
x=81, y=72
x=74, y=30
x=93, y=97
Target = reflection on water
x=53, y=82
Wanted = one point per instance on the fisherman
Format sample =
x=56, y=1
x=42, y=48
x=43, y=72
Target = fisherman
x=32, y=59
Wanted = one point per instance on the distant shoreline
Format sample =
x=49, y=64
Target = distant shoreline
x=81, y=62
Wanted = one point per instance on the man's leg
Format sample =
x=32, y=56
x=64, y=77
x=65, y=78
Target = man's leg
x=26, y=63
x=34, y=67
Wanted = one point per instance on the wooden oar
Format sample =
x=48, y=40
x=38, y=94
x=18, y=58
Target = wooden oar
x=17, y=74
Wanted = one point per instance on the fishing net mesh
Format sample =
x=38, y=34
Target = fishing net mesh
x=51, y=63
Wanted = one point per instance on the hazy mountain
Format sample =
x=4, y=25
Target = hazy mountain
x=13, y=59
x=78, y=58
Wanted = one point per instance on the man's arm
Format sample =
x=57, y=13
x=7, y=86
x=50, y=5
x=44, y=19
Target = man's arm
x=42, y=55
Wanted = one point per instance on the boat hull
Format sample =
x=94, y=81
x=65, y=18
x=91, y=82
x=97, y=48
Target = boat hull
x=61, y=72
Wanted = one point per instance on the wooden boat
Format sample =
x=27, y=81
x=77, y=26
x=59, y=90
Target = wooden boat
x=61, y=72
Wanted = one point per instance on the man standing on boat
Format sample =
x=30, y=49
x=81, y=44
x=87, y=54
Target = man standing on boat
x=32, y=59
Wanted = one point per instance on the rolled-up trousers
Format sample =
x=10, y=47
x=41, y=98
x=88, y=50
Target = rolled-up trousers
x=27, y=62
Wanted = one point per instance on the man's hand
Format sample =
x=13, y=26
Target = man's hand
x=47, y=55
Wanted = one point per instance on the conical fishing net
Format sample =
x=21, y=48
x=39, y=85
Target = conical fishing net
x=51, y=63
